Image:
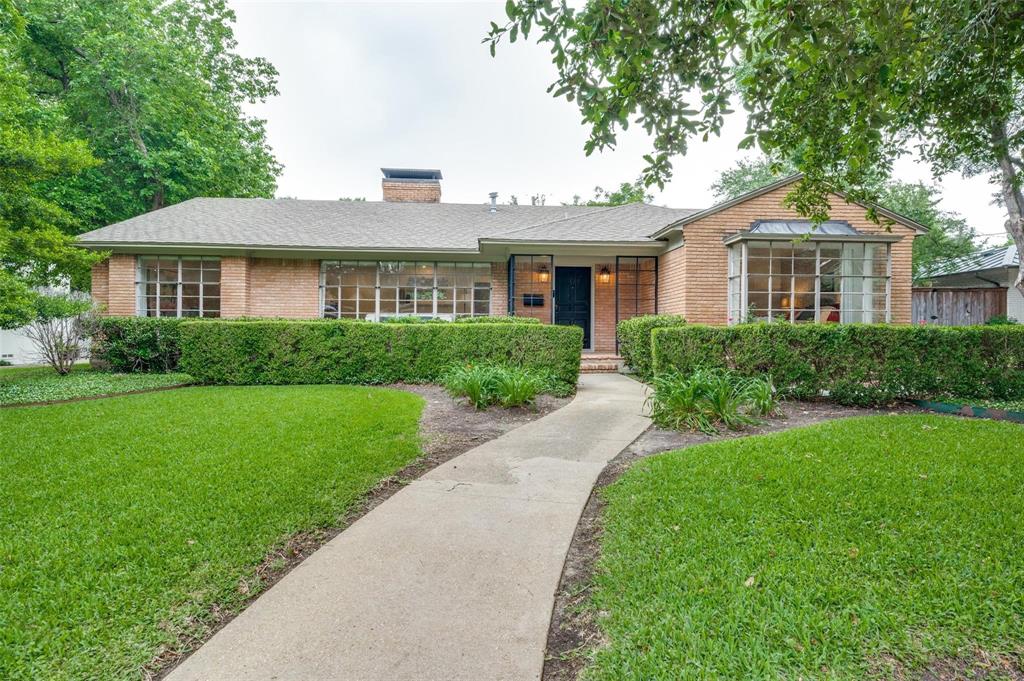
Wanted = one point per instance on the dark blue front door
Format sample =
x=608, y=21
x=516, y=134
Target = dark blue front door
x=572, y=298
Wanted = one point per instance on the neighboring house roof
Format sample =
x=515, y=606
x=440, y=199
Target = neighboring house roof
x=990, y=259
x=377, y=226
x=718, y=207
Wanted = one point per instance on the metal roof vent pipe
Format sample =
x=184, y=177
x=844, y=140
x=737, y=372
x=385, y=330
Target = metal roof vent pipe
x=494, y=201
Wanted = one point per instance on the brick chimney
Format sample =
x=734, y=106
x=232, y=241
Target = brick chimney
x=411, y=185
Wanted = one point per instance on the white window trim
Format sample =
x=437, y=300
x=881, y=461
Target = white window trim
x=377, y=315
x=140, y=284
x=740, y=315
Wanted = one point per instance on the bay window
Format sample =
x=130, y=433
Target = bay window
x=376, y=290
x=815, y=280
x=169, y=286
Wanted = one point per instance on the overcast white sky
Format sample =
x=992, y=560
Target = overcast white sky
x=371, y=84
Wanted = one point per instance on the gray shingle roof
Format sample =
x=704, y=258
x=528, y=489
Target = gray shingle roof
x=367, y=225
x=990, y=259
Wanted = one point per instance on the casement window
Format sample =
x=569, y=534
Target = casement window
x=377, y=290
x=810, y=280
x=168, y=286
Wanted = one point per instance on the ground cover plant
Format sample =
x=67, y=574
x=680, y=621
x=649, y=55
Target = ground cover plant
x=22, y=385
x=705, y=399
x=872, y=547
x=127, y=519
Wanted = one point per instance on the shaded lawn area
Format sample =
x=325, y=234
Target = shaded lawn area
x=126, y=519
x=22, y=385
x=873, y=546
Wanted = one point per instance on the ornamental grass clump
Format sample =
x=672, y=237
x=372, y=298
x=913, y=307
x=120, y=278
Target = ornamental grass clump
x=708, y=398
x=483, y=385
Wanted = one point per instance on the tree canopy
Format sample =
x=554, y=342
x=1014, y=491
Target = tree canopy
x=111, y=109
x=849, y=84
x=35, y=248
x=156, y=89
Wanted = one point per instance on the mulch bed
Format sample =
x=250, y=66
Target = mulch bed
x=574, y=632
x=447, y=428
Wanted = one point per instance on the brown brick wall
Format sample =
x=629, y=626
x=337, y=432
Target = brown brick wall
x=411, y=192
x=693, y=279
x=604, y=309
x=672, y=282
x=234, y=287
x=284, y=288
x=121, y=285
x=499, y=288
x=101, y=284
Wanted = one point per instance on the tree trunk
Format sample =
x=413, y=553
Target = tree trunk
x=1013, y=198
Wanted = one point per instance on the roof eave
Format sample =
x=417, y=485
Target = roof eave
x=892, y=215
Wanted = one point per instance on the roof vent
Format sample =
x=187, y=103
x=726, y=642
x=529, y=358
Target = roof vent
x=494, y=201
x=411, y=185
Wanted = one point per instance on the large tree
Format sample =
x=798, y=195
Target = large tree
x=35, y=248
x=851, y=84
x=156, y=89
x=948, y=236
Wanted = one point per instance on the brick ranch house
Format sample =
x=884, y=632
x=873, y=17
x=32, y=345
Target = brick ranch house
x=411, y=254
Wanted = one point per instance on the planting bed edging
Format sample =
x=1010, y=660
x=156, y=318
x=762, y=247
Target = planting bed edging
x=964, y=409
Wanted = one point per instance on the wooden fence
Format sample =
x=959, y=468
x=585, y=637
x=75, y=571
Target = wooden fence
x=957, y=306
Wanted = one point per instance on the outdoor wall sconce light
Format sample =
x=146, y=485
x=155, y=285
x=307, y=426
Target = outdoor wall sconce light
x=604, y=276
x=543, y=274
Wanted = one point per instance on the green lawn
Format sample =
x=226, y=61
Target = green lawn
x=21, y=385
x=125, y=518
x=819, y=553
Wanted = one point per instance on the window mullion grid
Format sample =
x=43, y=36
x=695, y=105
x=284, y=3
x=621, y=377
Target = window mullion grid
x=744, y=287
x=177, y=312
x=817, y=283
x=888, y=283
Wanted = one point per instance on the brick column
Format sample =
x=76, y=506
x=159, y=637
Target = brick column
x=499, y=288
x=234, y=286
x=604, y=309
x=121, y=285
x=100, y=288
x=284, y=288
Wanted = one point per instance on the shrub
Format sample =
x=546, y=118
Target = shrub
x=704, y=398
x=856, y=364
x=485, y=384
x=635, y=341
x=245, y=353
x=1000, y=320
x=516, y=387
x=475, y=383
x=58, y=331
x=130, y=344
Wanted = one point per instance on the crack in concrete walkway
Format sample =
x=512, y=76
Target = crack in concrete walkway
x=451, y=578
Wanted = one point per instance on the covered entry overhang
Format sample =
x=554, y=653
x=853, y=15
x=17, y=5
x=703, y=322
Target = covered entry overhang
x=593, y=285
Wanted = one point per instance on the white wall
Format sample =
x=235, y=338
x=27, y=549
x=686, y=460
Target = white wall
x=16, y=348
x=1014, y=298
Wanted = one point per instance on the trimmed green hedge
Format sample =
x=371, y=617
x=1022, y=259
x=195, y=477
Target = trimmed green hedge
x=136, y=344
x=635, y=340
x=856, y=364
x=247, y=353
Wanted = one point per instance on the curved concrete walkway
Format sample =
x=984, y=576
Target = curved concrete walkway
x=451, y=578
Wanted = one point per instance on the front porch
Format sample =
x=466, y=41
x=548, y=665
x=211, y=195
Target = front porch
x=592, y=292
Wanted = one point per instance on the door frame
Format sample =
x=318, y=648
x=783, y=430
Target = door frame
x=593, y=300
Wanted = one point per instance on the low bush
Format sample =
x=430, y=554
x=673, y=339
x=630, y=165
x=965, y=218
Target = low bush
x=136, y=344
x=705, y=398
x=485, y=384
x=855, y=364
x=246, y=353
x=635, y=341
x=1000, y=320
